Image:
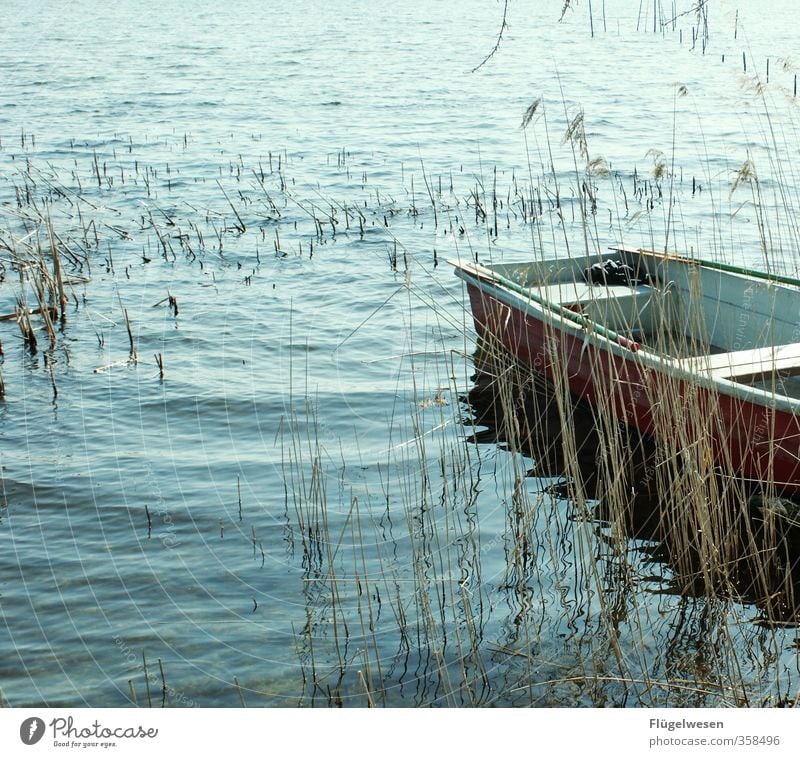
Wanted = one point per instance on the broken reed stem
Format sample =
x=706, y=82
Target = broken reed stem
x=97, y=169
x=239, y=691
x=147, y=681
x=38, y=283
x=133, y=357
x=15, y=316
x=430, y=195
x=52, y=380
x=363, y=682
x=25, y=327
x=57, y=273
x=163, y=684
x=240, y=223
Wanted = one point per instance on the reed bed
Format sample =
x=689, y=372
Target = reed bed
x=106, y=213
x=631, y=571
x=507, y=546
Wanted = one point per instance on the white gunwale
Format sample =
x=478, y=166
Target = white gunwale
x=724, y=372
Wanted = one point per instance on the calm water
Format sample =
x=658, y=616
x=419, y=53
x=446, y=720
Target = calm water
x=317, y=366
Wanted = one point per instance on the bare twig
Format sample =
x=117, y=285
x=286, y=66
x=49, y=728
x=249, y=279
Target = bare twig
x=503, y=27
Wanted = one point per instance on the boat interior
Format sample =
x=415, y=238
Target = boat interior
x=728, y=324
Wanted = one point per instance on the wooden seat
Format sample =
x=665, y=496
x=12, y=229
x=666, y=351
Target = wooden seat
x=578, y=292
x=783, y=359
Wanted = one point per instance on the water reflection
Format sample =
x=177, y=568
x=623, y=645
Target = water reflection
x=546, y=563
x=623, y=479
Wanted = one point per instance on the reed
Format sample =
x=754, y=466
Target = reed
x=719, y=552
x=510, y=545
x=631, y=570
x=163, y=683
x=147, y=680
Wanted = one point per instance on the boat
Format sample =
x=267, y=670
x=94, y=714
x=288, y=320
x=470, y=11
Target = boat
x=688, y=351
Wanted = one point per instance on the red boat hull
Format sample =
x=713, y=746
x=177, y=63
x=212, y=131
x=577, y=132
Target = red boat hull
x=753, y=441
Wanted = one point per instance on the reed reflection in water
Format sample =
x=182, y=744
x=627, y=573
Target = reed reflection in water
x=565, y=439
x=597, y=590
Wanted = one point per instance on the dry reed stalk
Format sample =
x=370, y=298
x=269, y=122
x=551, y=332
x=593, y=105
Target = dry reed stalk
x=147, y=680
x=133, y=358
x=25, y=327
x=163, y=684
x=239, y=691
x=57, y=273
x=240, y=225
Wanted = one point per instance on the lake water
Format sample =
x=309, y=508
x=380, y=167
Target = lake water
x=291, y=513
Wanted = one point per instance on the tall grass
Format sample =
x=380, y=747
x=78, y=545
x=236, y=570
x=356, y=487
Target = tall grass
x=630, y=570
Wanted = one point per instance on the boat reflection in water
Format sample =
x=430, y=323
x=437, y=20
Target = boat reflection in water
x=714, y=535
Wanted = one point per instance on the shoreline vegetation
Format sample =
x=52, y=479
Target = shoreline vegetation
x=614, y=570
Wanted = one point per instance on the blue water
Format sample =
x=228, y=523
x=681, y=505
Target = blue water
x=301, y=340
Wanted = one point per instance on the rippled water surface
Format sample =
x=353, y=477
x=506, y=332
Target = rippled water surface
x=293, y=176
